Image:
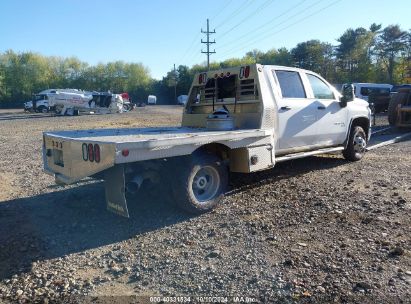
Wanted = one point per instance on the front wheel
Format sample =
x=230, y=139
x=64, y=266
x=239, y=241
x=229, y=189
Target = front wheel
x=201, y=184
x=357, y=143
x=42, y=109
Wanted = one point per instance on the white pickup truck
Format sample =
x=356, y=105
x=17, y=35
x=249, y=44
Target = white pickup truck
x=242, y=119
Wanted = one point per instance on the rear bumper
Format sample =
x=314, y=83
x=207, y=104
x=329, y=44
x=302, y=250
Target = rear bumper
x=68, y=161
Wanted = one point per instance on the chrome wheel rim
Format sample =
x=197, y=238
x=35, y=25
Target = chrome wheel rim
x=359, y=143
x=205, y=184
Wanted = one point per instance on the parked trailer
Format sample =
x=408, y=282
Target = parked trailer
x=241, y=119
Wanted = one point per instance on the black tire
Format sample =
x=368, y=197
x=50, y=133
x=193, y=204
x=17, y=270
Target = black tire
x=200, y=184
x=42, y=109
x=395, y=100
x=357, y=142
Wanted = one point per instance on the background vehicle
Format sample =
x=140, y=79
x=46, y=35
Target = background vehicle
x=395, y=88
x=363, y=90
x=40, y=102
x=127, y=104
x=182, y=99
x=380, y=98
x=71, y=101
x=240, y=119
x=151, y=100
x=399, y=110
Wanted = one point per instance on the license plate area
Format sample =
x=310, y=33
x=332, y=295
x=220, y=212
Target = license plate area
x=58, y=157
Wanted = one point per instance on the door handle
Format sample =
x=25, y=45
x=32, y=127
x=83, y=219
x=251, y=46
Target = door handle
x=285, y=108
x=321, y=107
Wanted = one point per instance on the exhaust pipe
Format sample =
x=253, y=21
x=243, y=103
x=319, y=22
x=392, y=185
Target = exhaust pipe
x=134, y=185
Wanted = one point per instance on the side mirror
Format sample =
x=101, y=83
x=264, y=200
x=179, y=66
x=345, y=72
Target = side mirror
x=347, y=94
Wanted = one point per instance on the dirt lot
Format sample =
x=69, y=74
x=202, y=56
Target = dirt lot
x=310, y=230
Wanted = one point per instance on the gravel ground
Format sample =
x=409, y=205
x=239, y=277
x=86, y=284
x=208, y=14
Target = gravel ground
x=308, y=231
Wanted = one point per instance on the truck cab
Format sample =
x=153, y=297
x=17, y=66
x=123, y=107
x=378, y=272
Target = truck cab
x=302, y=109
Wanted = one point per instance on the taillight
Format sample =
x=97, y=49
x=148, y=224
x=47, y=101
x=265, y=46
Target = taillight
x=90, y=152
x=202, y=78
x=244, y=72
x=96, y=153
x=85, y=152
x=247, y=71
x=125, y=152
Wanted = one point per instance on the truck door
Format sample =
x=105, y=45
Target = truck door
x=296, y=113
x=331, y=117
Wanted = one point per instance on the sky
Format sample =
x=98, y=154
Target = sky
x=160, y=33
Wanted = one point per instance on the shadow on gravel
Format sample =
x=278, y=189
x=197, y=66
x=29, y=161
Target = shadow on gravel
x=59, y=223
x=241, y=182
x=73, y=220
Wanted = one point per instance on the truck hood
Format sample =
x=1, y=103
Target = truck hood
x=360, y=102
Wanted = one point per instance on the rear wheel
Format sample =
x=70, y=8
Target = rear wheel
x=201, y=184
x=357, y=143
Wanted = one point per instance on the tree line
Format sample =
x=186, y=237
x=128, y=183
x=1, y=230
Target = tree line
x=375, y=54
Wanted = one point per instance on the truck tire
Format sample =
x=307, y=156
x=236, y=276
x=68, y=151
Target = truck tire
x=201, y=184
x=42, y=109
x=395, y=100
x=357, y=143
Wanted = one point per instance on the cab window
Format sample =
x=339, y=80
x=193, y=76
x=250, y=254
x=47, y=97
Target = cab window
x=320, y=89
x=364, y=91
x=290, y=84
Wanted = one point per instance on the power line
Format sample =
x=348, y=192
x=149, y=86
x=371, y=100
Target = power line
x=221, y=10
x=191, y=46
x=190, y=49
x=245, y=4
x=253, y=31
x=207, y=43
x=258, y=10
x=198, y=35
x=282, y=29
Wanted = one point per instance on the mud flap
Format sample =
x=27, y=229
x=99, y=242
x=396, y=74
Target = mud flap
x=115, y=190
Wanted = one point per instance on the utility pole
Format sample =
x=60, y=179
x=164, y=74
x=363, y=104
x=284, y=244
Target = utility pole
x=208, y=42
x=175, y=83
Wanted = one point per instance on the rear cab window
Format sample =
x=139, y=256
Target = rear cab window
x=290, y=83
x=320, y=89
x=223, y=87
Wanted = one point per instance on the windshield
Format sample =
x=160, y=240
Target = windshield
x=38, y=97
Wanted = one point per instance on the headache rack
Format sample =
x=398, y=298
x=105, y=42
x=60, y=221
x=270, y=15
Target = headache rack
x=228, y=90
